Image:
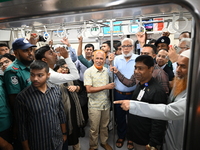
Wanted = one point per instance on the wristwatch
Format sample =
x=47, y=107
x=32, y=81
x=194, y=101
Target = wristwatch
x=65, y=133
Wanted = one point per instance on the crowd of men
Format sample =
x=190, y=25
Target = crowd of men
x=42, y=109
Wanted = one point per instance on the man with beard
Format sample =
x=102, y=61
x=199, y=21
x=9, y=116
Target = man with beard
x=125, y=64
x=39, y=112
x=174, y=111
x=96, y=80
x=17, y=75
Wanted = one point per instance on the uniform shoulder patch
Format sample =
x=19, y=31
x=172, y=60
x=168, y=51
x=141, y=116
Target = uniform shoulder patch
x=14, y=80
x=15, y=68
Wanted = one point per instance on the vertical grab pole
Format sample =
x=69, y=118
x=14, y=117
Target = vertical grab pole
x=112, y=79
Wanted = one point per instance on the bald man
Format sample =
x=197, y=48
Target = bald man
x=174, y=111
x=162, y=60
x=96, y=81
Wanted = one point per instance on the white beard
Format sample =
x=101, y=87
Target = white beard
x=127, y=55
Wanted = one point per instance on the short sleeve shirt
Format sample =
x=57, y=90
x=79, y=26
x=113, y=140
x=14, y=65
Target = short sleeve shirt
x=16, y=77
x=96, y=78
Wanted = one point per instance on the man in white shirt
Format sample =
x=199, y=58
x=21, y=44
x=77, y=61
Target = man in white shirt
x=174, y=112
x=50, y=57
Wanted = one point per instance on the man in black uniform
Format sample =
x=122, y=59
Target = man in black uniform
x=145, y=132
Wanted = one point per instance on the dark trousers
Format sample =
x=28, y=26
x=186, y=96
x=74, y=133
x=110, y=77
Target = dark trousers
x=65, y=145
x=121, y=115
x=7, y=135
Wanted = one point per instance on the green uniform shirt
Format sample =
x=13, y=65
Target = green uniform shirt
x=16, y=77
x=5, y=113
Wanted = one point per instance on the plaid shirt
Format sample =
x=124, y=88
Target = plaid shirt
x=94, y=77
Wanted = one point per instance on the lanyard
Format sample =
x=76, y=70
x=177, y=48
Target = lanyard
x=141, y=94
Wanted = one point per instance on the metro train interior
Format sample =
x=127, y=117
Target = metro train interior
x=99, y=21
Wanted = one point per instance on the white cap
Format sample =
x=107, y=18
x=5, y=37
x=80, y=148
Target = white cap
x=186, y=53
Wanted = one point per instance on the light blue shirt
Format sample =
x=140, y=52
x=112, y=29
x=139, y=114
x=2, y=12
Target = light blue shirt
x=127, y=69
x=81, y=69
x=72, y=53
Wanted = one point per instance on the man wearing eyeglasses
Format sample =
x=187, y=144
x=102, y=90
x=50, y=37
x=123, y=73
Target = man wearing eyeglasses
x=159, y=74
x=184, y=45
x=4, y=49
x=162, y=59
x=125, y=64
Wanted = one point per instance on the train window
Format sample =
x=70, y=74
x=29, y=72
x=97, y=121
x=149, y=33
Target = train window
x=114, y=21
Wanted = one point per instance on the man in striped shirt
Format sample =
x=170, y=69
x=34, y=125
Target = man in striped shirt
x=40, y=113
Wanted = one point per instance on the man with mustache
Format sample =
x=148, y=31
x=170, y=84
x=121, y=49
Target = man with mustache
x=174, y=111
x=96, y=81
x=17, y=75
x=144, y=131
x=158, y=73
x=125, y=64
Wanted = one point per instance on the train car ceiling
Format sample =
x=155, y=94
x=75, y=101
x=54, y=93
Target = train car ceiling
x=37, y=17
x=61, y=21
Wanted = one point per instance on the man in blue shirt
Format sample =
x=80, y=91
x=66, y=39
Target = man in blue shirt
x=125, y=64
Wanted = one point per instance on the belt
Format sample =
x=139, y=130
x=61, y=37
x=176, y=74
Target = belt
x=124, y=93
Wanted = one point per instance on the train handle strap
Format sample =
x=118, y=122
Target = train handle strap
x=46, y=35
x=63, y=32
x=141, y=28
x=121, y=33
x=84, y=29
x=95, y=27
x=79, y=31
x=178, y=19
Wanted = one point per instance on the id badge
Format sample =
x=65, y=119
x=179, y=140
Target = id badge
x=141, y=94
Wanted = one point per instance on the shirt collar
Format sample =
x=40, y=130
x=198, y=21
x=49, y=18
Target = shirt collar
x=49, y=86
x=149, y=83
x=20, y=64
x=97, y=69
x=133, y=56
x=163, y=66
